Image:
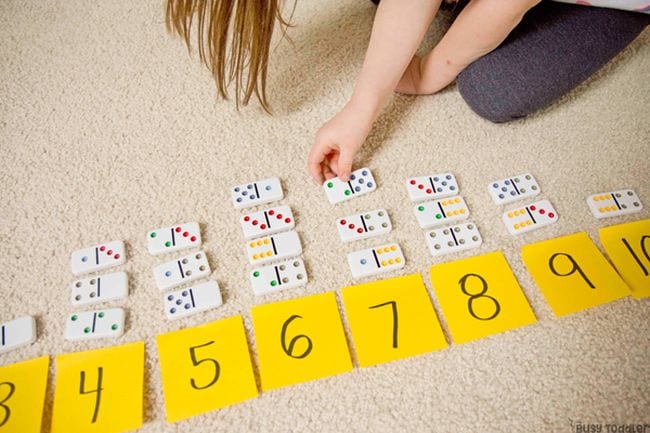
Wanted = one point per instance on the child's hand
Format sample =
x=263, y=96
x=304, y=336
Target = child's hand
x=337, y=141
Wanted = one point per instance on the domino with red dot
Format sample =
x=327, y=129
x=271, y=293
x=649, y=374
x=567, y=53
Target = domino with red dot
x=374, y=261
x=431, y=187
x=267, y=222
x=364, y=225
x=174, y=238
x=530, y=217
x=614, y=203
x=439, y=212
x=97, y=257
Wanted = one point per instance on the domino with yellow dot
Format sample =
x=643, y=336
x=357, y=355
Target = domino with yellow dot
x=378, y=260
x=271, y=248
x=614, y=203
x=439, y=212
x=530, y=217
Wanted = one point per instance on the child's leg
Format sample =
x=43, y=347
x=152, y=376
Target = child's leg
x=553, y=49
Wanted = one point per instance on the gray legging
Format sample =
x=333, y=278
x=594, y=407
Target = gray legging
x=554, y=48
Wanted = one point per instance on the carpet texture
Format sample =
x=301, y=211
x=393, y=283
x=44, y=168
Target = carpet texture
x=108, y=129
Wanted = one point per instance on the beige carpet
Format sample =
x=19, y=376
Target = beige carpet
x=109, y=129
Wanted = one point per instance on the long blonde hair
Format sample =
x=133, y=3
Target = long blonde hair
x=233, y=38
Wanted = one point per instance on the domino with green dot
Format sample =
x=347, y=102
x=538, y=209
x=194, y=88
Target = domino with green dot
x=281, y=276
x=90, y=325
x=174, y=238
x=441, y=212
x=361, y=182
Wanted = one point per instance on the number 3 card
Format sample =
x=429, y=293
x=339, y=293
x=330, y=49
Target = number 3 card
x=572, y=273
x=300, y=340
x=392, y=319
x=205, y=368
x=22, y=394
x=480, y=296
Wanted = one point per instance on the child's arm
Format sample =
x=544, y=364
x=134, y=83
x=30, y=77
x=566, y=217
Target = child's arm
x=396, y=34
x=479, y=29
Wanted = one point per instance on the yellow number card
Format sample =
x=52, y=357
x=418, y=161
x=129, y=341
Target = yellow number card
x=300, y=340
x=572, y=273
x=627, y=247
x=205, y=368
x=480, y=296
x=22, y=394
x=99, y=391
x=392, y=319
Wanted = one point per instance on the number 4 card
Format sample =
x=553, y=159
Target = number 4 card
x=392, y=319
x=99, y=391
x=300, y=340
x=480, y=296
x=205, y=368
x=572, y=273
x=627, y=247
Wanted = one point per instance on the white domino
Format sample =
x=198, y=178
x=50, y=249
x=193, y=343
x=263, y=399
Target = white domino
x=284, y=275
x=271, y=248
x=530, y=217
x=614, y=203
x=98, y=257
x=459, y=237
x=17, y=333
x=174, y=238
x=93, y=290
x=432, y=187
x=361, y=182
x=513, y=188
x=192, y=300
x=183, y=270
x=88, y=325
x=439, y=212
x=266, y=222
x=378, y=260
x=255, y=193
x=364, y=225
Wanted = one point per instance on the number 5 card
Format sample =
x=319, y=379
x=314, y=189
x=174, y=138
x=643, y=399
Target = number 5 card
x=480, y=296
x=572, y=273
x=205, y=368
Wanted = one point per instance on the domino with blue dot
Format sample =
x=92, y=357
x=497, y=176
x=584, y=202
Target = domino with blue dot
x=256, y=193
x=374, y=261
x=183, y=270
x=361, y=182
x=192, y=300
x=513, y=188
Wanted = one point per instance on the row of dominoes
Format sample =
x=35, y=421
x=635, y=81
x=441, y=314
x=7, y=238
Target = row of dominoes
x=444, y=211
x=363, y=225
x=96, y=288
x=272, y=246
x=183, y=270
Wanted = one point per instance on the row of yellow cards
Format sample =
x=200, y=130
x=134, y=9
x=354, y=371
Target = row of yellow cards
x=208, y=367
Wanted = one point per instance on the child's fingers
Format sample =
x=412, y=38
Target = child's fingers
x=316, y=157
x=345, y=164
